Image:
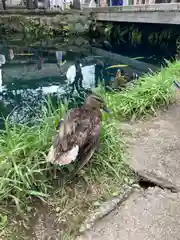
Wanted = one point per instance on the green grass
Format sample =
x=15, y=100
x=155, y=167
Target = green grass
x=24, y=172
x=23, y=168
x=149, y=93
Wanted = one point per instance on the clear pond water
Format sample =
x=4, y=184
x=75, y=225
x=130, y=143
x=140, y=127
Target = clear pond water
x=29, y=75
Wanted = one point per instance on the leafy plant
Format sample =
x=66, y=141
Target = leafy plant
x=34, y=30
x=108, y=31
x=135, y=36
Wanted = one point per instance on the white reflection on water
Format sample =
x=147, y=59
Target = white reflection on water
x=46, y=90
x=88, y=73
x=53, y=89
x=2, y=61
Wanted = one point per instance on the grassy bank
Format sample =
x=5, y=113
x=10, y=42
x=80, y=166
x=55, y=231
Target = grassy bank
x=24, y=173
x=149, y=93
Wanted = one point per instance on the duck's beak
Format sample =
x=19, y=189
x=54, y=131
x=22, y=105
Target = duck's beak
x=105, y=109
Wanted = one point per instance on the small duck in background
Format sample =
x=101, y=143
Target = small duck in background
x=120, y=80
x=78, y=134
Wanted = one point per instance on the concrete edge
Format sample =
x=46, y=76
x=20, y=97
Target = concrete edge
x=106, y=208
x=152, y=177
x=161, y=7
x=141, y=66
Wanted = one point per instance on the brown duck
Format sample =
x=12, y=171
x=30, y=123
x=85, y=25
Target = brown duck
x=78, y=134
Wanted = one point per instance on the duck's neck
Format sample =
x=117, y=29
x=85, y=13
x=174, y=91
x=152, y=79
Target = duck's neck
x=94, y=111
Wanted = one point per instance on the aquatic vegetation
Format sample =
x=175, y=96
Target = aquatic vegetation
x=31, y=29
x=108, y=30
x=160, y=38
x=119, y=33
x=35, y=30
x=135, y=36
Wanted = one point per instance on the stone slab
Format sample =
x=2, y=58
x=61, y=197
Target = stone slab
x=161, y=7
x=164, y=13
x=154, y=149
x=168, y=17
x=146, y=215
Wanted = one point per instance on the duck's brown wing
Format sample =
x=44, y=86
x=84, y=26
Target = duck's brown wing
x=78, y=126
x=69, y=122
x=89, y=149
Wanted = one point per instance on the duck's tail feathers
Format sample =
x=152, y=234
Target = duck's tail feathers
x=65, y=158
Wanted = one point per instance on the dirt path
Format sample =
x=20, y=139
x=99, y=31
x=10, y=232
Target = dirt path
x=150, y=213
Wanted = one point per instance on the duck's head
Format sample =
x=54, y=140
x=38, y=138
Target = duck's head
x=96, y=102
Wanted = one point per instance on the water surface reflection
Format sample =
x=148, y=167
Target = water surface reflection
x=28, y=76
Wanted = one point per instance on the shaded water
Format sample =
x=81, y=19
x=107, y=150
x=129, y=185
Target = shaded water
x=152, y=41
